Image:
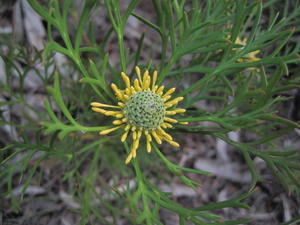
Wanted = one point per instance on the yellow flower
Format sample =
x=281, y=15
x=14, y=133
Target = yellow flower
x=249, y=57
x=143, y=109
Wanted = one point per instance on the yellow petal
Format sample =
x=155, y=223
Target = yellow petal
x=156, y=137
x=127, y=127
x=169, y=92
x=174, y=143
x=132, y=90
x=121, y=104
x=98, y=104
x=148, y=147
x=136, y=144
x=154, y=78
x=117, y=91
x=146, y=84
x=184, y=123
x=128, y=91
x=124, y=136
x=119, y=115
x=104, y=132
x=139, y=134
x=166, y=98
x=99, y=110
x=125, y=79
x=175, y=111
x=163, y=125
x=166, y=125
x=128, y=159
x=239, y=41
x=134, y=135
x=148, y=136
x=114, y=87
x=174, y=101
x=179, y=110
x=145, y=77
x=164, y=134
x=168, y=119
x=133, y=153
x=167, y=105
x=117, y=122
x=137, y=85
x=160, y=90
x=170, y=113
x=125, y=97
x=146, y=80
x=111, y=113
x=138, y=72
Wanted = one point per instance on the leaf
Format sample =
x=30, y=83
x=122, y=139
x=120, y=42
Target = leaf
x=89, y=4
x=42, y=12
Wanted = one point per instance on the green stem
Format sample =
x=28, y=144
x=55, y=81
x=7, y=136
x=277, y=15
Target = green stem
x=164, y=46
x=122, y=50
x=143, y=189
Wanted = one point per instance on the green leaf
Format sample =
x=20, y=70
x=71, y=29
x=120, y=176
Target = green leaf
x=43, y=12
x=89, y=4
x=145, y=21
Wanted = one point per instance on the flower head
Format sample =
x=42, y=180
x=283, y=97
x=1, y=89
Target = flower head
x=143, y=109
x=249, y=57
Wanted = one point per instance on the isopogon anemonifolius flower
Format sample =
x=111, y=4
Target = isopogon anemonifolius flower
x=249, y=57
x=143, y=109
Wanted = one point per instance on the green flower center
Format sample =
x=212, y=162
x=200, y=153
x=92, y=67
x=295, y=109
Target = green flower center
x=145, y=109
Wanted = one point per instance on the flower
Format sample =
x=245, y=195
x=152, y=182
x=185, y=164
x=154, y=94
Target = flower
x=249, y=57
x=143, y=108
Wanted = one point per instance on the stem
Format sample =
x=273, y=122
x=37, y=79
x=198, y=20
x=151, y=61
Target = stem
x=143, y=190
x=122, y=50
x=164, y=46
